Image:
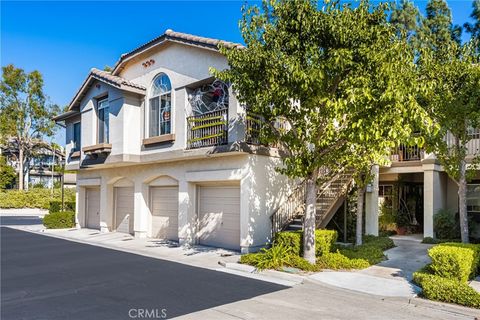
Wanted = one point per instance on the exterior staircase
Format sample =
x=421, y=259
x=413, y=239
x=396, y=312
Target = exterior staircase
x=330, y=198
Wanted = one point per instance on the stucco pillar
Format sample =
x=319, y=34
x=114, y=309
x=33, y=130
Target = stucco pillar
x=141, y=211
x=106, y=206
x=371, y=204
x=434, y=189
x=80, y=207
x=247, y=206
x=186, y=213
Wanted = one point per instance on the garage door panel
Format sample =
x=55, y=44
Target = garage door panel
x=93, y=208
x=124, y=209
x=219, y=216
x=164, y=209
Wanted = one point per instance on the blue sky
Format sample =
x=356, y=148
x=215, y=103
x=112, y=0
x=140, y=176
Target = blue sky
x=63, y=40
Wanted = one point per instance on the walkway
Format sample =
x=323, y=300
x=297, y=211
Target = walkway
x=390, y=278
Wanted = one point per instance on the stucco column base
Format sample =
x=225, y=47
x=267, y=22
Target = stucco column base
x=104, y=230
x=435, y=189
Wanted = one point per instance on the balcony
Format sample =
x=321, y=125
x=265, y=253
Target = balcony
x=208, y=129
x=407, y=153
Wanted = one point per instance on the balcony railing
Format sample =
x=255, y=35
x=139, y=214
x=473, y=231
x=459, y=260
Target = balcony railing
x=473, y=146
x=208, y=129
x=407, y=153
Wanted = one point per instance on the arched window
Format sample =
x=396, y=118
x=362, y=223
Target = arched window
x=160, y=106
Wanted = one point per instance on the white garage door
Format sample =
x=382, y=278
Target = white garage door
x=93, y=208
x=219, y=216
x=164, y=208
x=124, y=209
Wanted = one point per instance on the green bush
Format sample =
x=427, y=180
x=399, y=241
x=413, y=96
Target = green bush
x=250, y=258
x=430, y=240
x=59, y=220
x=383, y=243
x=324, y=240
x=447, y=290
x=451, y=262
x=273, y=258
x=371, y=254
x=336, y=261
x=56, y=206
x=476, y=254
x=444, y=225
x=33, y=198
x=300, y=263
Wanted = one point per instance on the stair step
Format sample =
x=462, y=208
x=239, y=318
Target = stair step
x=294, y=227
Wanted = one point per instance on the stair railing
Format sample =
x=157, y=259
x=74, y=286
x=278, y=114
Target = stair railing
x=289, y=210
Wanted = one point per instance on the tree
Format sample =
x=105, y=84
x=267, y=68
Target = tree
x=454, y=107
x=8, y=175
x=311, y=71
x=24, y=113
x=406, y=18
x=474, y=28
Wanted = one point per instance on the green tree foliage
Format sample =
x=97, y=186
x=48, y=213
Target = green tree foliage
x=474, y=28
x=25, y=115
x=8, y=176
x=337, y=80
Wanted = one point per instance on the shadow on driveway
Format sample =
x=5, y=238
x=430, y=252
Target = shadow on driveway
x=49, y=278
x=19, y=220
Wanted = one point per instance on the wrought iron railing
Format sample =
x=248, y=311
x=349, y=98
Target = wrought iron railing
x=407, y=153
x=289, y=210
x=208, y=129
x=253, y=127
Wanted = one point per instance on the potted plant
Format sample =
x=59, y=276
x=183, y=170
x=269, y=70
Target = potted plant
x=402, y=223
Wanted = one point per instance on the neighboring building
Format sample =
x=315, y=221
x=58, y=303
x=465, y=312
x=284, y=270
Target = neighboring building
x=163, y=150
x=160, y=150
x=40, y=166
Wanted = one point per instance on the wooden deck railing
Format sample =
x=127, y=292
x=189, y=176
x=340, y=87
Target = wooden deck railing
x=208, y=129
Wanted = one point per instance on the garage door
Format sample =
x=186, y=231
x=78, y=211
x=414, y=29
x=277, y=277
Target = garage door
x=164, y=208
x=219, y=216
x=124, y=209
x=93, y=208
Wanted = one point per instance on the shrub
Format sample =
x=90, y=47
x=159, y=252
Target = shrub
x=250, y=258
x=338, y=261
x=451, y=262
x=59, y=220
x=430, y=240
x=447, y=290
x=383, y=243
x=274, y=258
x=444, y=225
x=33, y=198
x=56, y=206
x=371, y=254
x=324, y=240
x=300, y=263
x=476, y=255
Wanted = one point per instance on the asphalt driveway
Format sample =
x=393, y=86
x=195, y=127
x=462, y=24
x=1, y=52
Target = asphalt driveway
x=49, y=278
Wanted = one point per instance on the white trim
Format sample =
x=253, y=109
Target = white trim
x=89, y=182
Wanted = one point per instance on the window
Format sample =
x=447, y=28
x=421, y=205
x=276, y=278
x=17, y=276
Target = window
x=76, y=137
x=160, y=106
x=103, y=121
x=473, y=198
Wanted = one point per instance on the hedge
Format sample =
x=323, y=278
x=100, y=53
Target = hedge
x=59, y=220
x=56, y=206
x=447, y=290
x=33, y=198
x=324, y=240
x=451, y=262
x=476, y=255
x=336, y=261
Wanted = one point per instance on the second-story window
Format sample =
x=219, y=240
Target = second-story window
x=76, y=137
x=103, y=121
x=160, y=107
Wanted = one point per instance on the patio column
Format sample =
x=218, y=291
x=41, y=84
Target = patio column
x=141, y=210
x=435, y=190
x=371, y=204
x=80, y=207
x=186, y=213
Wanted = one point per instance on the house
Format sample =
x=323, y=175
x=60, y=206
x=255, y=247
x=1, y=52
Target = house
x=161, y=150
x=39, y=169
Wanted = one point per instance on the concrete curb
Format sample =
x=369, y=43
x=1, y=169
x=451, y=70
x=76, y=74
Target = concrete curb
x=258, y=276
x=266, y=275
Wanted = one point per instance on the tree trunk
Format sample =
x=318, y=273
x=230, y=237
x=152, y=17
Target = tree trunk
x=359, y=229
x=20, y=168
x=309, y=219
x=462, y=202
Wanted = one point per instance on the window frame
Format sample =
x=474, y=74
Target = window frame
x=77, y=143
x=152, y=132
x=101, y=108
